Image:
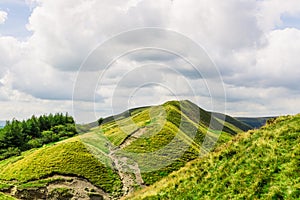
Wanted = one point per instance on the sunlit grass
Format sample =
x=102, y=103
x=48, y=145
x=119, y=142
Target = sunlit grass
x=258, y=164
x=6, y=197
x=65, y=158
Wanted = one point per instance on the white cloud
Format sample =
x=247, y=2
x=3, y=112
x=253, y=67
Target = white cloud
x=271, y=11
x=218, y=24
x=11, y=52
x=3, y=17
x=257, y=61
x=64, y=32
x=278, y=63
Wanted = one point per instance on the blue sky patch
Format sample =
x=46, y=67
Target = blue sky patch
x=18, y=14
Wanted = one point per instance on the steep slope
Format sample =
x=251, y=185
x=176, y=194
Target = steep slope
x=258, y=164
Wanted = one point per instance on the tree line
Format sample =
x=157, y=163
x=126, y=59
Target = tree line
x=17, y=136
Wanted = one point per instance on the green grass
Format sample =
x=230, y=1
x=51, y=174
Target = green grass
x=66, y=158
x=260, y=164
x=4, y=186
x=176, y=124
x=181, y=127
x=6, y=197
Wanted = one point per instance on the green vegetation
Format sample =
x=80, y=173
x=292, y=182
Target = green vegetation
x=6, y=197
x=18, y=136
x=100, y=121
x=66, y=158
x=180, y=127
x=258, y=164
x=120, y=155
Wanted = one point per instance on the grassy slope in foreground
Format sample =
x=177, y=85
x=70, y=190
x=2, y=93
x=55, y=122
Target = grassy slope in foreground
x=258, y=164
x=65, y=158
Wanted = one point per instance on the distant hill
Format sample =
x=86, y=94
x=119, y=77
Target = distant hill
x=259, y=164
x=235, y=121
x=254, y=122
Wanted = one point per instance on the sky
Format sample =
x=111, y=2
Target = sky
x=95, y=58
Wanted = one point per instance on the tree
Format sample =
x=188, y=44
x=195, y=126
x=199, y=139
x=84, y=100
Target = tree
x=18, y=136
x=100, y=121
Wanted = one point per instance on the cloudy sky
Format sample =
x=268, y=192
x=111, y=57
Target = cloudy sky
x=93, y=58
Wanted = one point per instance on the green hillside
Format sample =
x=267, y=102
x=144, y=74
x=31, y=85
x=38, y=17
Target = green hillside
x=180, y=127
x=127, y=152
x=258, y=164
x=70, y=158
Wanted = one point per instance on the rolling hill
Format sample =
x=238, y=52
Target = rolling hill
x=35, y=173
x=127, y=152
x=259, y=164
x=254, y=122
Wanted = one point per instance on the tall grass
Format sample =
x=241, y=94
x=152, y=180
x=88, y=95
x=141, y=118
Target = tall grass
x=260, y=164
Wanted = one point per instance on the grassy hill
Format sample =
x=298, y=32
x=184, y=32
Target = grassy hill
x=70, y=158
x=258, y=164
x=162, y=139
x=129, y=151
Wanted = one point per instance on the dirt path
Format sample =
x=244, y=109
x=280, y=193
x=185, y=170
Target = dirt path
x=133, y=136
x=129, y=171
x=126, y=167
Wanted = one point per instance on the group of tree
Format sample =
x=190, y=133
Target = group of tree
x=17, y=136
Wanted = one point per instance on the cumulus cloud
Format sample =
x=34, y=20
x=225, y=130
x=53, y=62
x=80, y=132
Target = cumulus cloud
x=274, y=65
x=257, y=60
x=3, y=17
x=270, y=12
x=11, y=52
x=278, y=63
x=66, y=31
x=224, y=25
